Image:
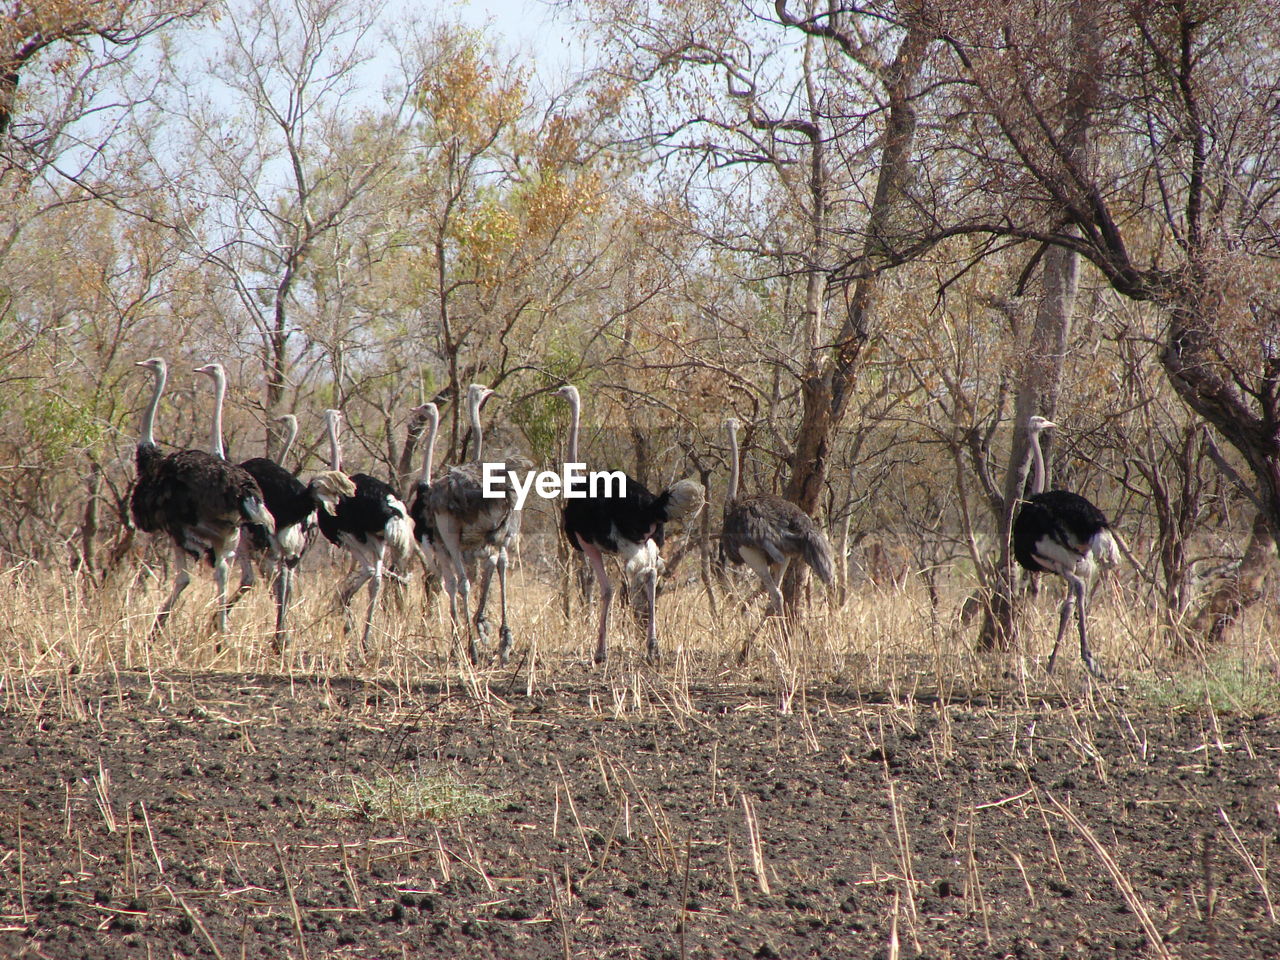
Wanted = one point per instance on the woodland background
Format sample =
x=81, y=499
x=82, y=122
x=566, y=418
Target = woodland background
x=879, y=234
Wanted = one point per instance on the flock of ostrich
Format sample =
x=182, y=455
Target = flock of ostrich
x=258, y=511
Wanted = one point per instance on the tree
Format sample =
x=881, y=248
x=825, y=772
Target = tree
x=1181, y=208
x=802, y=106
x=281, y=161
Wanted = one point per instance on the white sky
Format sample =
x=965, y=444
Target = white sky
x=532, y=27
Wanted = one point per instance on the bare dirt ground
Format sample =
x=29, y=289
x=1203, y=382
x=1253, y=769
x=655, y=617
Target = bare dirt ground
x=210, y=815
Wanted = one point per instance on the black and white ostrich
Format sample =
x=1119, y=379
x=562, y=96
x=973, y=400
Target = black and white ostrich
x=199, y=500
x=365, y=525
x=629, y=526
x=468, y=524
x=1060, y=532
x=293, y=504
x=767, y=533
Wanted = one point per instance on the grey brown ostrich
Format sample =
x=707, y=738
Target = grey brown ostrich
x=630, y=526
x=199, y=500
x=425, y=534
x=1060, y=532
x=468, y=523
x=293, y=504
x=365, y=524
x=767, y=533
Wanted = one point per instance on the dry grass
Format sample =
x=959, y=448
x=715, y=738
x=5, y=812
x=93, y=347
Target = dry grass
x=913, y=663
x=891, y=640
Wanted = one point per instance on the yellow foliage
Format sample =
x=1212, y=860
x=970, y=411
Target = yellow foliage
x=467, y=99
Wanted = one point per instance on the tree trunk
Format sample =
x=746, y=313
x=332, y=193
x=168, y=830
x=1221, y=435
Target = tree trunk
x=1041, y=377
x=87, y=560
x=1235, y=593
x=1039, y=383
x=828, y=384
x=827, y=387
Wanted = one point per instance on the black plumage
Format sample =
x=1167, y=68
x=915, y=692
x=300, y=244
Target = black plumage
x=292, y=504
x=1059, y=516
x=290, y=501
x=199, y=500
x=365, y=524
x=1060, y=532
x=363, y=516
x=611, y=523
x=630, y=526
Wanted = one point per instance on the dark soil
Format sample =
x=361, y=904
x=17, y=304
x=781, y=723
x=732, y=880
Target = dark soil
x=622, y=828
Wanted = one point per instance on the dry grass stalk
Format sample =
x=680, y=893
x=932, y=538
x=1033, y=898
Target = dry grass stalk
x=295, y=913
x=1238, y=845
x=904, y=854
x=151, y=839
x=1118, y=877
x=102, y=789
x=974, y=885
x=195, y=921
x=573, y=811
x=22, y=875
x=348, y=875
x=757, y=847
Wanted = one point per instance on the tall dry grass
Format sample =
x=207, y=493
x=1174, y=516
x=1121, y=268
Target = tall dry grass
x=892, y=640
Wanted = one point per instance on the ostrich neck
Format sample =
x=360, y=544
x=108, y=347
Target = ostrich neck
x=147, y=435
x=732, y=493
x=428, y=458
x=219, y=394
x=335, y=451
x=575, y=417
x=289, y=440
x=475, y=428
x=1038, y=479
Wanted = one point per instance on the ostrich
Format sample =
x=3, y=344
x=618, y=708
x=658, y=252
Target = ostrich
x=767, y=533
x=292, y=504
x=466, y=522
x=424, y=525
x=364, y=525
x=629, y=526
x=1063, y=533
x=196, y=498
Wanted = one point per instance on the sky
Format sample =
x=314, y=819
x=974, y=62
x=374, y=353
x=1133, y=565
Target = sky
x=534, y=27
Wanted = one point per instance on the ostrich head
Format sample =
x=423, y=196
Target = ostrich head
x=1037, y=425
x=154, y=364
x=477, y=394
x=569, y=392
x=427, y=412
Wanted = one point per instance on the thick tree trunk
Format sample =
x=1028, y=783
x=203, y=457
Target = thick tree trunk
x=1041, y=376
x=1039, y=383
x=827, y=386
x=831, y=378
x=1237, y=592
